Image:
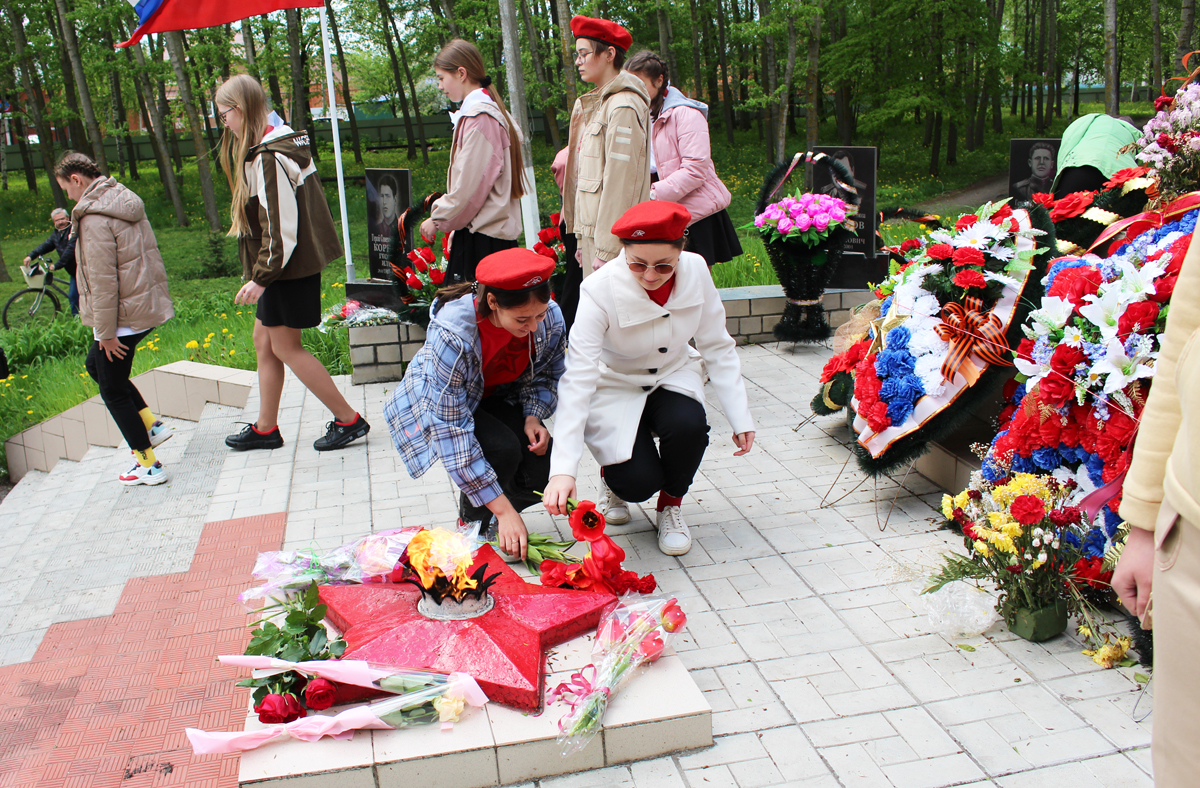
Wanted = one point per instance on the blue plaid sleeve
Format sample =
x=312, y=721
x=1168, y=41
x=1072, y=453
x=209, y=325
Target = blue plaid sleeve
x=539, y=394
x=452, y=418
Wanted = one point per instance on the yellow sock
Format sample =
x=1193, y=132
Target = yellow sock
x=144, y=458
x=147, y=417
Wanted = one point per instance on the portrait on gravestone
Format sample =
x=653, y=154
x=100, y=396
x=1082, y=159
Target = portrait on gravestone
x=1031, y=167
x=858, y=266
x=389, y=193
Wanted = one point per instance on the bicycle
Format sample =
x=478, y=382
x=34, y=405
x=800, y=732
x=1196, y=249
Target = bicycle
x=36, y=304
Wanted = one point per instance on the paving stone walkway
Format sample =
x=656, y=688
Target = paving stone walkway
x=806, y=630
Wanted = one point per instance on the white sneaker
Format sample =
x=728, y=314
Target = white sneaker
x=614, y=509
x=141, y=474
x=674, y=538
x=160, y=433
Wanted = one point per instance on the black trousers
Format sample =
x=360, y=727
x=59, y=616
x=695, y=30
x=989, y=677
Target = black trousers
x=120, y=396
x=467, y=249
x=682, y=429
x=568, y=299
x=500, y=430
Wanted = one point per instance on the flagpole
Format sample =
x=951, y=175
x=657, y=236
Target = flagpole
x=337, y=143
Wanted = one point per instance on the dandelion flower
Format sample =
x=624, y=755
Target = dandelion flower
x=224, y=330
x=192, y=344
x=231, y=351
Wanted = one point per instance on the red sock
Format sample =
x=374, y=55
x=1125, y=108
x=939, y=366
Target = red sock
x=261, y=432
x=665, y=500
x=601, y=471
x=348, y=423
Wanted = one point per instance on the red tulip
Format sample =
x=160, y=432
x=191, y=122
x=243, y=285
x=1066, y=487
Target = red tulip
x=673, y=617
x=587, y=524
x=652, y=646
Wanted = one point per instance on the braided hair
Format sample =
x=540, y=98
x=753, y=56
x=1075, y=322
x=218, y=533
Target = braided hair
x=651, y=65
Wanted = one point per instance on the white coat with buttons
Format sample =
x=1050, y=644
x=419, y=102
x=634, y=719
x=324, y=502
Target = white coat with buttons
x=622, y=346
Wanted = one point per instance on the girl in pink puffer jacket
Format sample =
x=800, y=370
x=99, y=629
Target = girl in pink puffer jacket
x=681, y=166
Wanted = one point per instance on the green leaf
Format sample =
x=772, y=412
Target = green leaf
x=337, y=647
x=319, y=640
x=260, y=693
x=318, y=614
x=312, y=596
x=965, y=647
x=1141, y=678
x=1127, y=663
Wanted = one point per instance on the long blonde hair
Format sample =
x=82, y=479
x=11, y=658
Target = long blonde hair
x=244, y=92
x=465, y=55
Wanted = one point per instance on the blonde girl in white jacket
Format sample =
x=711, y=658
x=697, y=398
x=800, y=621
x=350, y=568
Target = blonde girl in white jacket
x=632, y=376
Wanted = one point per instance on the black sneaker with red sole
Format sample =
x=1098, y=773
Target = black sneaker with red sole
x=251, y=438
x=338, y=435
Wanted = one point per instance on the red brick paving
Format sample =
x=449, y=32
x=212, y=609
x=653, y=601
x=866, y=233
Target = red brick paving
x=104, y=701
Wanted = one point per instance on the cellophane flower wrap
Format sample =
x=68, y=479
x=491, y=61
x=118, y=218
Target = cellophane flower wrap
x=355, y=313
x=420, y=698
x=423, y=277
x=802, y=218
x=1170, y=143
x=354, y=562
x=1026, y=536
x=633, y=633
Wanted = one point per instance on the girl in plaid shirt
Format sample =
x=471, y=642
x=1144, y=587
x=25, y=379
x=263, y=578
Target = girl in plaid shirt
x=477, y=393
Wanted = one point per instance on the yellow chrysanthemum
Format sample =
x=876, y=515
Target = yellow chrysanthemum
x=1110, y=654
x=982, y=548
x=947, y=507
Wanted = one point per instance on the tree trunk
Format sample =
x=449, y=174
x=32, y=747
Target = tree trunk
x=710, y=66
x=568, y=50
x=347, y=99
x=23, y=146
x=33, y=98
x=198, y=91
x=727, y=103
x=71, y=42
x=174, y=41
x=75, y=132
x=158, y=136
x=665, y=39
x=813, y=83
x=248, y=46
x=386, y=13
x=516, y=84
x=413, y=89
x=272, y=72
x=935, y=150
x=122, y=117
x=764, y=11
x=928, y=138
x=785, y=96
x=1112, y=85
x=696, y=84
x=1156, y=69
x=549, y=111
x=1039, y=122
x=299, y=115
x=1187, y=20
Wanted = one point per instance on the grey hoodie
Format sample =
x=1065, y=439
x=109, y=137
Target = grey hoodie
x=120, y=273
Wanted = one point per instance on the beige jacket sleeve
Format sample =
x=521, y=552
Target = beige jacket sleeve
x=1143, y=489
x=99, y=242
x=626, y=179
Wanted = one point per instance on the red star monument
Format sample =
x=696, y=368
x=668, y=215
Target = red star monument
x=502, y=649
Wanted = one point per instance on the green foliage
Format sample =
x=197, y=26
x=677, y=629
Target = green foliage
x=34, y=346
x=299, y=636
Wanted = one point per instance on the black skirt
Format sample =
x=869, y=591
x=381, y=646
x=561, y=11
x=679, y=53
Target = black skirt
x=467, y=249
x=714, y=238
x=295, y=303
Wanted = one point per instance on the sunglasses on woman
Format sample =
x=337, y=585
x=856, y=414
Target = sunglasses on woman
x=662, y=269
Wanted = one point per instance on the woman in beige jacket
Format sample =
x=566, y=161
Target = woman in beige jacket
x=481, y=205
x=123, y=296
x=608, y=156
x=1163, y=549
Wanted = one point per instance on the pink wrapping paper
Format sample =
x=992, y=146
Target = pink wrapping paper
x=340, y=726
x=344, y=671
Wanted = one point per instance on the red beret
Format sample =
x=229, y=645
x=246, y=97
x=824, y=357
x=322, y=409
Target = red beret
x=601, y=29
x=653, y=220
x=514, y=269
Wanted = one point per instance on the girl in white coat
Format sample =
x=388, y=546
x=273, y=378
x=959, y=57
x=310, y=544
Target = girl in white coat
x=631, y=375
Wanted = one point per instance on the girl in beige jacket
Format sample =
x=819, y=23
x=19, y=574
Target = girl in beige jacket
x=1161, y=500
x=481, y=205
x=122, y=296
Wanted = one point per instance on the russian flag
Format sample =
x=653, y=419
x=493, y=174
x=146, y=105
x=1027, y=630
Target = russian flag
x=160, y=16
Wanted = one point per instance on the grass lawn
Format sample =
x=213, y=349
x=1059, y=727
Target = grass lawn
x=48, y=365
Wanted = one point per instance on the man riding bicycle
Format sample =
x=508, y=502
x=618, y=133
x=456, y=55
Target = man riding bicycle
x=62, y=242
